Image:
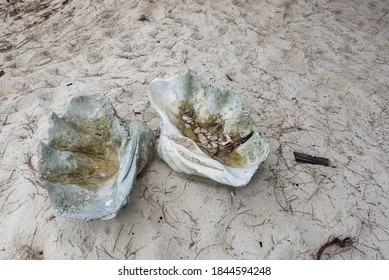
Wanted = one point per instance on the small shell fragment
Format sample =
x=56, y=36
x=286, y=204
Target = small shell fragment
x=214, y=145
x=202, y=138
x=228, y=142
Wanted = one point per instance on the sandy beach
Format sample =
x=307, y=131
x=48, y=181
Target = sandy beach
x=313, y=74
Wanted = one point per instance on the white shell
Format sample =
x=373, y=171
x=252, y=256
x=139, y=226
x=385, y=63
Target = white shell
x=205, y=131
x=92, y=157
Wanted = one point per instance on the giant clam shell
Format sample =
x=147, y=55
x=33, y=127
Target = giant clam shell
x=205, y=131
x=92, y=157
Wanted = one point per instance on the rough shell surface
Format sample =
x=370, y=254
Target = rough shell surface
x=205, y=131
x=92, y=157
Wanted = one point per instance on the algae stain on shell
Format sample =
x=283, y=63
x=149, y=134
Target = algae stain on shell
x=207, y=131
x=91, y=156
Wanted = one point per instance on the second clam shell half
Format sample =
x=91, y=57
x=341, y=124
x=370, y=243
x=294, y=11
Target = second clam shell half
x=205, y=131
x=91, y=159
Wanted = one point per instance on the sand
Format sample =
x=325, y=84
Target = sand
x=314, y=74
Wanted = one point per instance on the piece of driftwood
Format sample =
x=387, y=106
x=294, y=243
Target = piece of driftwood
x=300, y=157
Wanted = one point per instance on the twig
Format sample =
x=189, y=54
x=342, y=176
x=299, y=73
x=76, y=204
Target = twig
x=114, y=245
x=130, y=252
x=206, y=247
x=9, y=212
x=304, y=158
x=5, y=148
x=342, y=243
x=28, y=160
x=33, y=237
x=25, y=41
x=194, y=221
x=383, y=16
x=258, y=225
x=237, y=215
x=272, y=248
x=105, y=251
x=165, y=213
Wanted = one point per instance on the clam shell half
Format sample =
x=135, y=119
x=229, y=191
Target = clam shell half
x=91, y=159
x=205, y=131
